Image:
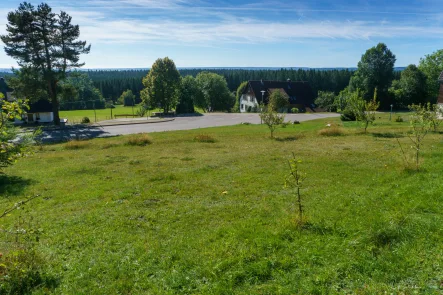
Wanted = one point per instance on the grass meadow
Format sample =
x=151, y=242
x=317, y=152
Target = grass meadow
x=180, y=215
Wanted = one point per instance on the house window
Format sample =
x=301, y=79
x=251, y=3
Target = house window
x=37, y=116
x=242, y=107
x=250, y=98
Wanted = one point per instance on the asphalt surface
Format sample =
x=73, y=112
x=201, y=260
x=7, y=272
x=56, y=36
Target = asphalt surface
x=180, y=123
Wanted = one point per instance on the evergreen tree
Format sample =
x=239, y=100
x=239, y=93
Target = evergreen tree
x=46, y=43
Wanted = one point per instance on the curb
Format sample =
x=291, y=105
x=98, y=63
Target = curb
x=132, y=123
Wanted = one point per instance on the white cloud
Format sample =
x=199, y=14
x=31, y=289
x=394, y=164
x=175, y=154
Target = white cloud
x=249, y=31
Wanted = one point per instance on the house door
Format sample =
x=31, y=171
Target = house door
x=30, y=117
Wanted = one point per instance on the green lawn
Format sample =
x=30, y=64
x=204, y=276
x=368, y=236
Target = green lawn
x=186, y=217
x=103, y=114
x=76, y=116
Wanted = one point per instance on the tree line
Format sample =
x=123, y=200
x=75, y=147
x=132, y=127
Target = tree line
x=375, y=78
x=112, y=83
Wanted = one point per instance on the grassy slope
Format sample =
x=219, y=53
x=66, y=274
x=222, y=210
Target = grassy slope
x=155, y=220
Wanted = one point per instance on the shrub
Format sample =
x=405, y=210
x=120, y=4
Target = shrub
x=76, y=144
x=331, y=131
x=296, y=122
x=86, y=120
x=272, y=120
x=348, y=116
x=204, y=138
x=295, y=111
x=141, y=111
x=399, y=119
x=22, y=268
x=141, y=139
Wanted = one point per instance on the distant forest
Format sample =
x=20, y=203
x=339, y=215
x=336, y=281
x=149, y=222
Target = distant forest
x=112, y=83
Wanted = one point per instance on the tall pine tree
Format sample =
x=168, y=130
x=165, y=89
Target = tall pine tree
x=44, y=43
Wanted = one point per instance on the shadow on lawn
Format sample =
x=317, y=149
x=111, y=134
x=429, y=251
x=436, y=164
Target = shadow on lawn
x=287, y=138
x=13, y=185
x=71, y=133
x=387, y=135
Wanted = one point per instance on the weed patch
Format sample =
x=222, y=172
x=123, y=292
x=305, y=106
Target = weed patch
x=141, y=139
x=77, y=144
x=204, y=138
x=331, y=131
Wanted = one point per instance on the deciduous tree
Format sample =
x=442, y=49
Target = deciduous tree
x=190, y=95
x=12, y=144
x=410, y=89
x=162, y=85
x=432, y=65
x=278, y=100
x=375, y=70
x=216, y=92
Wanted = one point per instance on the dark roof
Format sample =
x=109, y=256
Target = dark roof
x=4, y=88
x=40, y=106
x=440, y=94
x=441, y=77
x=299, y=92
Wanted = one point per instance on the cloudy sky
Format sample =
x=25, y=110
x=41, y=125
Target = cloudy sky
x=243, y=33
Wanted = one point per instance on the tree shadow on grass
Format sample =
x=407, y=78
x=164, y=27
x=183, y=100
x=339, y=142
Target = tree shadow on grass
x=287, y=138
x=387, y=135
x=71, y=133
x=13, y=185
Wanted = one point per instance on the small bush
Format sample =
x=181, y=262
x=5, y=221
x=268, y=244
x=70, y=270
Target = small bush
x=331, y=131
x=348, y=116
x=295, y=110
x=23, y=271
x=204, y=138
x=140, y=139
x=399, y=119
x=86, y=120
x=296, y=122
x=76, y=144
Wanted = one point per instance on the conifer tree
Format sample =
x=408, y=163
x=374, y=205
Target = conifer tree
x=45, y=42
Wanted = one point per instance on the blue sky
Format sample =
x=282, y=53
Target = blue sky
x=269, y=33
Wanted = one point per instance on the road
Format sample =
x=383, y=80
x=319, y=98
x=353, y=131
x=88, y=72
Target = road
x=180, y=123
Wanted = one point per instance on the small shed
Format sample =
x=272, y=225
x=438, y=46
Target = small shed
x=40, y=112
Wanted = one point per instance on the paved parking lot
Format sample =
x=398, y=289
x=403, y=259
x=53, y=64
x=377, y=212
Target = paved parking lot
x=207, y=120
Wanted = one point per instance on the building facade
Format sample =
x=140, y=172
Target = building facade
x=300, y=95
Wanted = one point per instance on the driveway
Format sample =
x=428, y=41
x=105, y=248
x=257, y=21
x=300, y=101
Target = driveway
x=180, y=123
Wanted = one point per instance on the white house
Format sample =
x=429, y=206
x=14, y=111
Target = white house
x=440, y=94
x=39, y=112
x=257, y=92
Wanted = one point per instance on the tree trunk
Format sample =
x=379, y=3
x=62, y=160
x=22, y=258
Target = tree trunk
x=54, y=101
